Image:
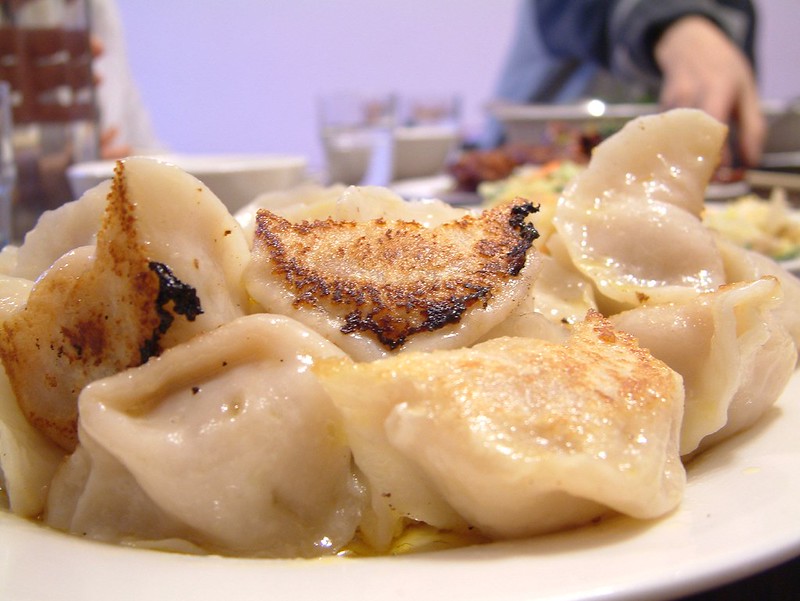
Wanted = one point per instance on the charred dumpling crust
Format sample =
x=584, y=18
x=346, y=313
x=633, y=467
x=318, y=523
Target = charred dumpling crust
x=395, y=279
x=96, y=312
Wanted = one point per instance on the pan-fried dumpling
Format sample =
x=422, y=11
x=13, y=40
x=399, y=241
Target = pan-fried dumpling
x=186, y=227
x=630, y=220
x=27, y=459
x=380, y=286
x=72, y=225
x=230, y=442
x=516, y=436
x=97, y=310
x=104, y=308
x=310, y=202
x=178, y=219
x=734, y=355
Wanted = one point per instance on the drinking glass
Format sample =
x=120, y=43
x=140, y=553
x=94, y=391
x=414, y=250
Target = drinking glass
x=46, y=56
x=356, y=131
x=8, y=167
x=428, y=135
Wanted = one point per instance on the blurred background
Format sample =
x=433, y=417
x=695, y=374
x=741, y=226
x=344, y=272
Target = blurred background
x=242, y=75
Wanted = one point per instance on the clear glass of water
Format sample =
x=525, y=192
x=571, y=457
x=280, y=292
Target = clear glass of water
x=8, y=166
x=356, y=131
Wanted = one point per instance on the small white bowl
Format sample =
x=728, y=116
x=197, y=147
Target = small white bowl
x=422, y=150
x=235, y=179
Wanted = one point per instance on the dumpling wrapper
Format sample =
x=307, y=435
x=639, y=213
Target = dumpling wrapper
x=227, y=440
x=167, y=265
x=61, y=230
x=745, y=265
x=561, y=293
x=515, y=436
x=630, y=221
x=186, y=227
x=27, y=459
x=378, y=287
x=735, y=356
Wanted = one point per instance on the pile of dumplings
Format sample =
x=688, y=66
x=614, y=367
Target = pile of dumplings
x=170, y=383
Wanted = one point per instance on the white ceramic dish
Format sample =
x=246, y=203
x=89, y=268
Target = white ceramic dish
x=440, y=187
x=739, y=516
x=422, y=150
x=236, y=179
x=533, y=123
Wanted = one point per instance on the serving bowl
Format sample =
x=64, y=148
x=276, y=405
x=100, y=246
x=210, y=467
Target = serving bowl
x=235, y=178
x=556, y=126
x=422, y=150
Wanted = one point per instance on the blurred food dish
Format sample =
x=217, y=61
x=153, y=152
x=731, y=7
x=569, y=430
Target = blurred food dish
x=768, y=226
x=476, y=167
x=563, y=125
x=782, y=146
x=235, y=178
x=556, y=124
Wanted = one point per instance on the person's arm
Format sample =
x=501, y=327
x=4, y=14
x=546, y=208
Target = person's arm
x=700, y=52
x=702, y=68
x=577, y=29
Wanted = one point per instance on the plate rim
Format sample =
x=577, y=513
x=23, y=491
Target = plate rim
x=765, y=453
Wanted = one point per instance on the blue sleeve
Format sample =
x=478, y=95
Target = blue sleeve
x=620, y=34
x=575, y=29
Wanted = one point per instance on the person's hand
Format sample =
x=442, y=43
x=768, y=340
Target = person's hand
x=702, y=68
x=109, y=148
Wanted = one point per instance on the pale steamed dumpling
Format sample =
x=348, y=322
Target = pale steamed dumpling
x=744, y=265
x=734, y=355
x=630, y=220
x=227, y=441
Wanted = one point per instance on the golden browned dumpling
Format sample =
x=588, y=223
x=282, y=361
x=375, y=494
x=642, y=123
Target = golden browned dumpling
x=515, y=436
x=166, y=266
x=378, y=286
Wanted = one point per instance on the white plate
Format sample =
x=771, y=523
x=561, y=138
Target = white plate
x=439, y=186
x=739, y=516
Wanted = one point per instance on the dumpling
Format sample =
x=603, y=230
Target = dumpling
x=101, y=309
x=381, y=286
x=630, y=220
x=310, y=202
x=96, y=311
x=514, y=436
x=665, y=158
x=366, y=203
x=184, y=226
x=227, y=441
x=744, y=265
x=734, y=355
x=27, y=459
x=559, y=296
x=177, y=218
x=60, y=231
